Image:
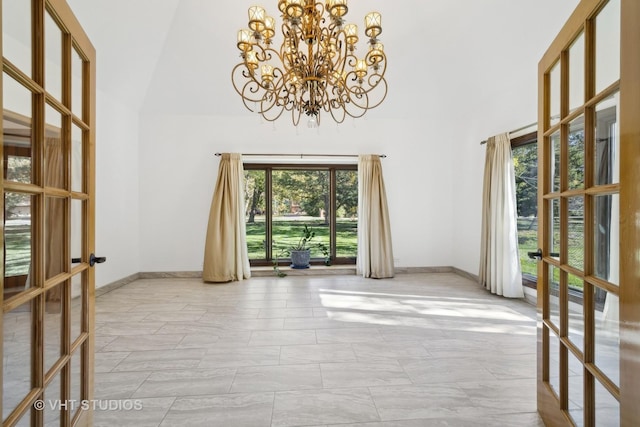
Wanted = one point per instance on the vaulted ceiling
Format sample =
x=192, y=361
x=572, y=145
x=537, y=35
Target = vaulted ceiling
x=176, y=56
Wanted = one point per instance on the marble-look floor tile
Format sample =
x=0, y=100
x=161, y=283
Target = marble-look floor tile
x=511, y=366
x=449, y=370
x=151, y=414
x=233, y=357
x=176, y=316
x=348, y=335
x=430, y=401
x=366, y=352
x=316, y=353
x=310, y=408
x=156, y=360
x=143, y=343
x=285, y=313
x=192, y=382
x=277, y=378
x=360, y=374
x=126, y=328
x=506, y=420
x=493, y=396
x=262, y=338
x=118, y=385
x=106, y=361
x=237, y=410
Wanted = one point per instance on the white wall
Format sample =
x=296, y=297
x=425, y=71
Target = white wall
x=117, y=190
x=471, y=78
x=504, y=98
x=179, y=170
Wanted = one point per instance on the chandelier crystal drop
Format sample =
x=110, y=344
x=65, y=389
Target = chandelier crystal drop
x=316, y=68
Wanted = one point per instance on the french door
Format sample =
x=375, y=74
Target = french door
x=48, y=134
x=589, y=198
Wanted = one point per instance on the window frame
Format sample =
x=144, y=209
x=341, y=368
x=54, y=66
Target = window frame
x=332, y=168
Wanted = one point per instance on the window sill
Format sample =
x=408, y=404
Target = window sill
x=314, y=270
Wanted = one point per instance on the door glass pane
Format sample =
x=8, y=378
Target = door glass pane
x=76, y=306
x=606, y=250
x=254, y=196
x=301, y=197
x=575, y=166
x=76, y=231
x=53, y=149
x=53, y=57
x=51, y=399
x=76, y=385
x=16, y=33
x=554, y=77
x=576, y=314
x=607, y=149
x=17, y=130
x=77, y=177
x=555, y=162
x=607, y=334
x=525, y=161
x=346, y=213
x=555, y=228
x=607, y=408
x=554, y=363
x=554, y=295
x=576, y=390
x=76, y=83
x=54, y=236
x=53, y=326
x=576, y=73
x=608, y=45
x=576, y=232
x=17, y=243
x=16, y=362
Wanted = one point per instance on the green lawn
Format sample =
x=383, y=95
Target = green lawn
x=528, y=242
x=17, y=249
x=288, y=233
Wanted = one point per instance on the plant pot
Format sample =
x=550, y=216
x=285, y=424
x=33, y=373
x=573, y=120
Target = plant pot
x=300, y=259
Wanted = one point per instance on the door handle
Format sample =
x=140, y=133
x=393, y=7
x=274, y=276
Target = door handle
x=93, y=260
x=537, y=255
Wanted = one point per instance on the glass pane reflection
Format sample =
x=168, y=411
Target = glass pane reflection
x=555, y=162
x=606, y=251
x=16, y=366
x=17, y=135
x=607, y=334
x=607, y=147
x=554, y=80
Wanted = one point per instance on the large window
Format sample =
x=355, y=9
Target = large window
x=282, y=199
x=525, y=162
x=606, y=234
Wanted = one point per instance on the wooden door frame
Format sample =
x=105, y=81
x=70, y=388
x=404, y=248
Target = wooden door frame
x=629, y=246
x=73, y=36
x=629, y=212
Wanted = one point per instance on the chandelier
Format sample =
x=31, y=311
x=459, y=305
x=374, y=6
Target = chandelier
x=316, y=67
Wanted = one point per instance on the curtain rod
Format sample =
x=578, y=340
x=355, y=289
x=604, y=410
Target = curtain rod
x=302, y=155
x=513, y=131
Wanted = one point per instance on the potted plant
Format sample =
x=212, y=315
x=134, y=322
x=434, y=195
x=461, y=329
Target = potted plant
x=301, y=252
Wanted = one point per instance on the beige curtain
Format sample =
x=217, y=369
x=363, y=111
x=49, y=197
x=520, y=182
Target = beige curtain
x=54, y=221
x=225, y=252
x=499, y=259
x=375, y=252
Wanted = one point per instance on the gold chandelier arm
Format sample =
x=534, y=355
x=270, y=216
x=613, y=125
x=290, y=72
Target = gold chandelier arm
x=316, y=67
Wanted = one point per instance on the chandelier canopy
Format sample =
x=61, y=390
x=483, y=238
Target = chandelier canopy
x=315, y=68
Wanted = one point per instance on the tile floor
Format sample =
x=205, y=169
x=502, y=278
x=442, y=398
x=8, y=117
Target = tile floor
x=416, y=350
